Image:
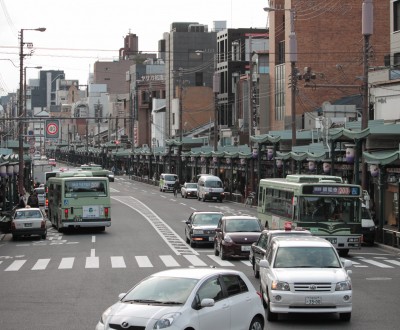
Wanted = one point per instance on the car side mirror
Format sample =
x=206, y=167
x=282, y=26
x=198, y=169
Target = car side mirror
x=207, y=302
x=264, y=263
x=347, y=263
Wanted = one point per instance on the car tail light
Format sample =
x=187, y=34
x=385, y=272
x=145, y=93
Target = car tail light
x=259, y=294
x=12, y=225
x=47, y=202
x=106, y=212
x=42, y=224
x=66, y=213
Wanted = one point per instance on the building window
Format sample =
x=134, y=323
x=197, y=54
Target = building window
x=196, y=55
x=199, y=78
x=396, y=16
x=279, y=92
x=396, y=60
x=281, y=52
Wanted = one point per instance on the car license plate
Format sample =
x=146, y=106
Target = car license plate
x=211, y=238
x=246, y=248
x=313, y=301
x=331, y=240
x=28, y=225
x=214, y=198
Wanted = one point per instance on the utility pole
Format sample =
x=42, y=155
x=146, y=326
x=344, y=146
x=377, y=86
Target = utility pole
x=216, y=89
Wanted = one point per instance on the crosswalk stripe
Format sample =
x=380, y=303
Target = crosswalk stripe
x=169, y=261
x=15, y=266
x=118, y=262
x=376, y=263
x=92, y=262
x=41, y=264
x=195, y=260
x=394, y=262
x=143, y=261
x=66, y=263
x=219, y=261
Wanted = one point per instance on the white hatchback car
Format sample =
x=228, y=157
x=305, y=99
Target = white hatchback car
x=305, y=275
x=195, y=298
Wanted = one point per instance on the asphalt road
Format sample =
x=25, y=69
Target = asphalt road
x=66, y=281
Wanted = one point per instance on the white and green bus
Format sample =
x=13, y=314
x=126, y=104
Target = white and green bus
x=321, y=204
x=78, y=199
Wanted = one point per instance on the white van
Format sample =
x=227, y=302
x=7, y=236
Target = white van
x=167, y=181
x=210, y=187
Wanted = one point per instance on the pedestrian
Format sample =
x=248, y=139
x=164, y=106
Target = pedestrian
x=176, y=187
x=33, y=200
x=21, y=201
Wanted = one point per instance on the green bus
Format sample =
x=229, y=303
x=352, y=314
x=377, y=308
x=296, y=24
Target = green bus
x=78, y=199
x=321, y=204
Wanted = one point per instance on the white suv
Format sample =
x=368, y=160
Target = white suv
x=305, y=275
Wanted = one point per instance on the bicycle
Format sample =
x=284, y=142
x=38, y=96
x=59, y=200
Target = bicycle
x=250, y=198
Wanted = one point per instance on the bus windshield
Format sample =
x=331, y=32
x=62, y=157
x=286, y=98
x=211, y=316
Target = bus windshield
x=83, y=188
x=321, y=209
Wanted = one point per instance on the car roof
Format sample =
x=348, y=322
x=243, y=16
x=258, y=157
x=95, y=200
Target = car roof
x=239, y=217
x=207, y=212
x=274, y=232
x=28, y=209
x=196, y=273
x=299, y=241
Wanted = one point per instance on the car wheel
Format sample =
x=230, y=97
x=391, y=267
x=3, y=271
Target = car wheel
x=262, y=297
x=185, y=195
x=204, y=198
x=14, y=237
x=59, y=228
x=216, y=252
x=344, y=252
x=256, y=270
x=345, y=317
x=44, y=236
x=192, y=243
x=257, y=323
x=187, y=239
x=222, y=253
x=271, y=317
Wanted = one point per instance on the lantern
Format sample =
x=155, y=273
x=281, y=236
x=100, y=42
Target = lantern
x=242, y=161
x=228, y=160
x=215, y=159
x=16, y=169
x=311, y=166
x=326, y=167
x=10, y=170
x=255, y=153
x=270, y=153
x=3, y=171
x=279, y=163
x=374, y=169
x=350, y=154
x=203, y=159
x=192, y=159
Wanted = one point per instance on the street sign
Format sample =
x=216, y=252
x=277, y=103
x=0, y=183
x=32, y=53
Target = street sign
x=52, y=130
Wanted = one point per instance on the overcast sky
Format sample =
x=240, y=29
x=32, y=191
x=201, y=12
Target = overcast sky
x=79, y=33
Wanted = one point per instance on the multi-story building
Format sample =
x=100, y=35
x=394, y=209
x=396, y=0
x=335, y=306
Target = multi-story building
x=329, y=49
x=189, y=53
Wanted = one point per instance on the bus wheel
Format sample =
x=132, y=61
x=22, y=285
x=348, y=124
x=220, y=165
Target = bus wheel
x=344, y=252
x=102, y=228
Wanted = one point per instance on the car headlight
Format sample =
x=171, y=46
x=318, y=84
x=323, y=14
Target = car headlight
x=105, y=315
x=197, y=231
x=166, y=320
x=280, y=286
x=228, y=239
x=343, y=286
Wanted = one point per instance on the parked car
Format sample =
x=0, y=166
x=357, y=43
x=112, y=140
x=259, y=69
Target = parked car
x=28, y=221
x=200, y=227
x=188, y=298
x=52, y=162
x=259, y=249
x=189, y=189
x=368, y=227
x=110, y=176
x=235, y=234
x=305, y=275
x=41, y=194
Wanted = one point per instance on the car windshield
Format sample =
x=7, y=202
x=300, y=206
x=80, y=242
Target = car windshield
x=163, y=290
x=40, y=191
x=306, y=257
x=206, y=219
x=191, y=185
x=242, y=225
x=28, y=214
x=170, y=177
x=213, y=184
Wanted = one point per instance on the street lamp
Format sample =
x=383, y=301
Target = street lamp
x=21, y=109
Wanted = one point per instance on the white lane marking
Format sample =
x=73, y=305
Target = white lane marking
x=118, y=262
x=114, y=190
x=143, y=261
x=66, y=263
x=92, y=252
x=169, y=261
x=93, y=239
x=15, y=266
x=219, y=261
x=246, y=262
x=41, y=264
x=195, y=260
